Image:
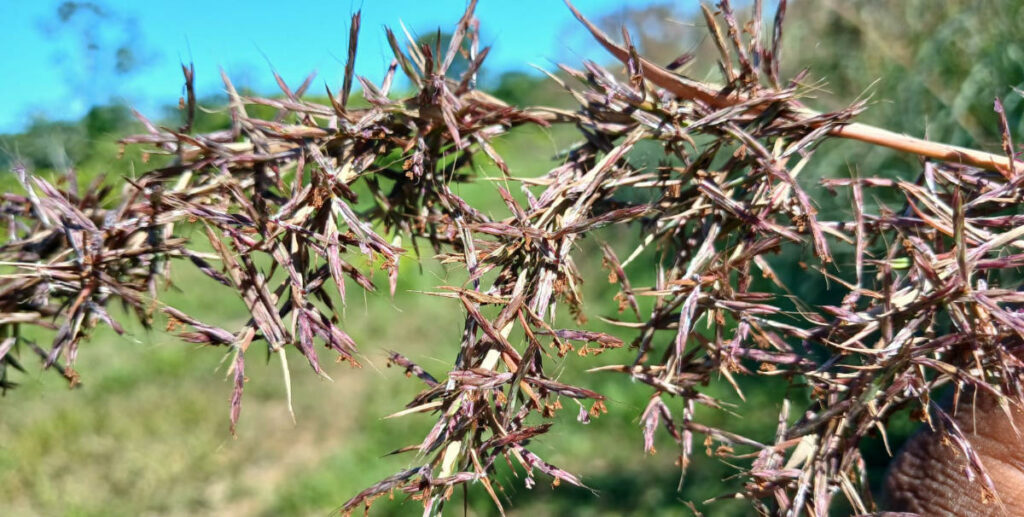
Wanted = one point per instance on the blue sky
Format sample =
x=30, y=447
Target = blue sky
x=47, y=72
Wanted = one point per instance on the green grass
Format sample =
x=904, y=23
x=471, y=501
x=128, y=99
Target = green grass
x=148, y=430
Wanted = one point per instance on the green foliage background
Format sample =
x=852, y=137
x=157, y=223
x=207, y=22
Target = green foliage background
x=147, y=434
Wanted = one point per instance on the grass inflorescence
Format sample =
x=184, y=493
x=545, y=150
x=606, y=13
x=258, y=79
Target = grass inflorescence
x=927, y=290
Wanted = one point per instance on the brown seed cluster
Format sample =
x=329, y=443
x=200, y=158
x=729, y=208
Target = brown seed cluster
x=929, y=282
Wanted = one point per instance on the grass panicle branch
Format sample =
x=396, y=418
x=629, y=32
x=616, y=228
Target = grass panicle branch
x=931, y=299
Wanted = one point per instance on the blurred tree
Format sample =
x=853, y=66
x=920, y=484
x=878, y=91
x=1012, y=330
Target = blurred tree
x=935, y=65
x=103, y=47
x=107, y=120
x=46, y=144
x=517, y=87
x=661, y=32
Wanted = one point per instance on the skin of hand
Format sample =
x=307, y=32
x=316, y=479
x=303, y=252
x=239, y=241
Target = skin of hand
x=929, y=476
